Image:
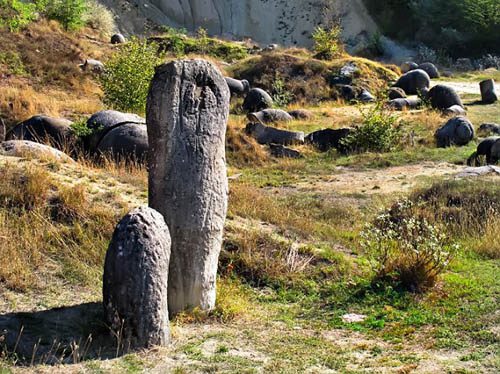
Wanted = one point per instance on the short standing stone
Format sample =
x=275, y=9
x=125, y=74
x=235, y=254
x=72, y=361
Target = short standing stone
x=135, y=283
x=257, y=100
x=187, y=113
x=488, y=93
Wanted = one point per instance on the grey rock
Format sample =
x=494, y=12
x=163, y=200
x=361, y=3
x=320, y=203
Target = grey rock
x=280, y=151
x=56, y=132
x=408, y=66
x=104, y=121
x=135, y=281
x=489, y=128
x=237, y=87
x=490, y=148
x=464, y=64
x=430, y=69
x=488, y=93
x=456, y=110
x=457, y=131
x=117, y=39
x=267, y=135
x=348, y=70
x=26, y=148
x=442, y=97
x=127, y=142
x=414, y=82
x=396, y=93
x=327, y=139
x=478, y=171
x=301, y=114
x=365, y=97
x=3, y=130
x=402, y=104
x=92, y=66
x=187, y=113
x=270, y=116
x=256, y=100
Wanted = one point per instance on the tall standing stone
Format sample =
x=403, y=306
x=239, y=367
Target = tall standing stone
x=488, y=93
x=135, y=280
x=187, y=112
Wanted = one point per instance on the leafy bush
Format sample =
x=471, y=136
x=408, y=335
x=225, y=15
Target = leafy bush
x=99, y=17
x=281, y=96
x=69, y=13
x=129, y=71
x=327, y=43
x=378, y=133
x=409, y=253
x=16, y=14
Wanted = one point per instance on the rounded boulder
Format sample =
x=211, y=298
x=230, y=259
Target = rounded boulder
x=257, y=100
x=457, y=131
x=430, y=69
x=414, y=81
x=43, y=129
x=443, y=97
x=126, y=142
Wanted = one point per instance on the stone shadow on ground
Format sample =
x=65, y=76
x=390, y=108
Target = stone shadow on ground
x=61, y=335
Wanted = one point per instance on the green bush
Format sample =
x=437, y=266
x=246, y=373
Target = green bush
x=16, y=14
x=281, y=96
x=127, y=76
x=379, y=132
x=69, y=13
x=409, y=253
x=327, y=43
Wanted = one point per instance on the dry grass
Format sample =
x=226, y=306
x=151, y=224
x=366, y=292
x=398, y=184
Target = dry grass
x=243, y=150
x=49, y=230
x=307, y=78
x=53, y=83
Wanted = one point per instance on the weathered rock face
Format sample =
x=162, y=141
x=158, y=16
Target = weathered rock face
x=135, y=279
x=187, y=112
x=288, y=22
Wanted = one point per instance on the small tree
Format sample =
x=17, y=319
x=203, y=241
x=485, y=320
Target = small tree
x=327, y=43
x=126, y=79
x=69, y=13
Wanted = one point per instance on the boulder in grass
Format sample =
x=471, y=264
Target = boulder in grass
x=26, y=148
x=455, y=110
x=402, y=104
x=457, y=131
x=56, y=132
x=396, y=93
x=256, y=100
x=237, y=87
x=443, y=97
x=489, y=128
x=489, y=148
x=414, y=82
x=301, y=114
x=430, y=69
x=280, y=151
x=267, y=135
x=270, y=116
x=128, y=142
x=326, y=139
x=117, y=39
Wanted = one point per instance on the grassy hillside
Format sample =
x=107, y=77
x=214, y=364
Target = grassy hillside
x=303, y=243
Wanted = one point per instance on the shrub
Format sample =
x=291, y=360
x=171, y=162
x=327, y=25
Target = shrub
x=327, y=43
x=409, y=253
x=13, y=62
x=127, y=76
x=99, y=17
x=378, y=132
x=16, y=14
x=69, y=13
x=281, y=96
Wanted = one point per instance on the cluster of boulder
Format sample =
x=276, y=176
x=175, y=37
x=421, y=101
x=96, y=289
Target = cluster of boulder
x=113, y=134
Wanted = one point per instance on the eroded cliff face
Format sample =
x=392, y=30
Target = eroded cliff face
x=288, y=22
